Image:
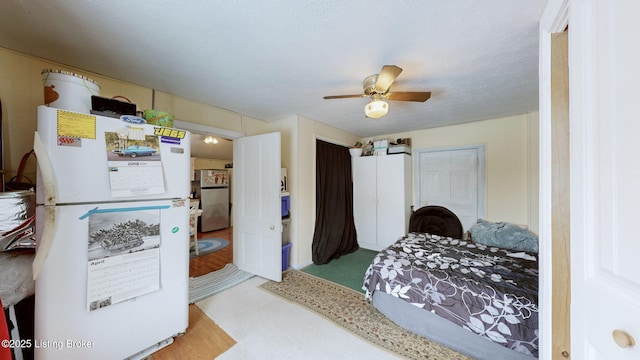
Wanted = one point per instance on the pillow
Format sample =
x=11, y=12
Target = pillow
x=503, y=235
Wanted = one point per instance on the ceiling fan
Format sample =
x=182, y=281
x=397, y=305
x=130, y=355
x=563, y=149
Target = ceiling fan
x=377, y=88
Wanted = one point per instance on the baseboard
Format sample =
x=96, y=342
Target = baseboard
x=302, y=266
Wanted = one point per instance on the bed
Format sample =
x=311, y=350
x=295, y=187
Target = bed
x=478, y=299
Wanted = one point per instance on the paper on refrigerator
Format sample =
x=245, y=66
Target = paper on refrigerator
x=134, y=160
x=123, y=255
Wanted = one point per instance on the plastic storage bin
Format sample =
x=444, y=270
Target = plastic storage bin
x=285, y=256
x=285, y=230
x=285, y=206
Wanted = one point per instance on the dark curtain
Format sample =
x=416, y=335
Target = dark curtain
x=335, y=232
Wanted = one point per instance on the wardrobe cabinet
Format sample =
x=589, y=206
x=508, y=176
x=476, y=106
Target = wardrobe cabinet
x=381, y=199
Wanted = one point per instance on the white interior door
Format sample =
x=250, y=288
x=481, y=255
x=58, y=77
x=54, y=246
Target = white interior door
x=605, y=194
x=257, y=230
x=452, y=178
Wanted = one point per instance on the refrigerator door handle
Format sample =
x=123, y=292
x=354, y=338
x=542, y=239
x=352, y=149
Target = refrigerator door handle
x=46, y=170
x=48, y=184
x=44, y=243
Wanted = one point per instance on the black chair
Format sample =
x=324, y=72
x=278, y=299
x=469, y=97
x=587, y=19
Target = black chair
x=436, y=220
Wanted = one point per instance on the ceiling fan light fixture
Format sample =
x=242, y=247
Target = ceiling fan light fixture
x=210, y=140
x=376, y=109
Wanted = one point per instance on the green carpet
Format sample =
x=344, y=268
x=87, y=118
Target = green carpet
x=348, y=270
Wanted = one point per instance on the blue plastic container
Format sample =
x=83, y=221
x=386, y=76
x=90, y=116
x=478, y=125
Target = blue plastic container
x=285, y=256
x=285, y=205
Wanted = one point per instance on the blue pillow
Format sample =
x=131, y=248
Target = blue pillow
x=503, y=235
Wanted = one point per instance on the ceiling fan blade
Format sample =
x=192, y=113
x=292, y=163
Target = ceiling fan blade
x=386, y=77
x=344, y=96
x=421, y=96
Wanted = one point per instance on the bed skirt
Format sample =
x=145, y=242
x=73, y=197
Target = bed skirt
x=436, y=328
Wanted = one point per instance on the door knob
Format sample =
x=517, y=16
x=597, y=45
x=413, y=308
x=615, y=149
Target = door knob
x=272, y=227
x=623, y=339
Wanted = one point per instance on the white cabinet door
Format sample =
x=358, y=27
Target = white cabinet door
x=381, y=199
x=393, y=188
x=364, y=200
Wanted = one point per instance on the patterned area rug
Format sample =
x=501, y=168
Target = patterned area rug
x=207, y=246
x=349, y=309
x=202, y=287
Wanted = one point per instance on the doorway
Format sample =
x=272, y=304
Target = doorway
x=210, y=155
x=560, y=190
x=209, y=151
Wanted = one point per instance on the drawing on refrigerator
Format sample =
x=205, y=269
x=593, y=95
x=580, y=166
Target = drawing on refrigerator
x=112, y=230
x=123, y=255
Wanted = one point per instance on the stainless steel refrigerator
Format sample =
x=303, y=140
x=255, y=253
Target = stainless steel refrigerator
x=212, y=187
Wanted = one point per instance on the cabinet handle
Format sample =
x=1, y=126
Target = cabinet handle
x=623, y=339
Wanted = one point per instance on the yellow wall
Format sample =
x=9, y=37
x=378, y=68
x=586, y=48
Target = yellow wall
x=511, y=159
x=299, y=136
x=511, y=162
x=21, y=91
x=288, y=129
x=511, y=143
x=204, y=163
x=199, y=113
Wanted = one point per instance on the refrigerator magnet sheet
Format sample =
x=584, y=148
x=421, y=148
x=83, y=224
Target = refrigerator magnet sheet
x=123, y=255
x=216, y=177
x=76, y=125
x=134, y=160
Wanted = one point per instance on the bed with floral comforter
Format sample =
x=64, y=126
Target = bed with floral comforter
x=490, y=291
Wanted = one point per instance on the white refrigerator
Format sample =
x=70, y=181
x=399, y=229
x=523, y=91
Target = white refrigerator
x=112, y=229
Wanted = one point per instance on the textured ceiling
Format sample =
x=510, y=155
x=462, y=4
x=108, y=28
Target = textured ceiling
x=273, y=59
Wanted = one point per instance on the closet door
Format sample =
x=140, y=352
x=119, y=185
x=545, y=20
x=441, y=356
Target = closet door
x=453, y=178
x=393, y=198
x=364, y=200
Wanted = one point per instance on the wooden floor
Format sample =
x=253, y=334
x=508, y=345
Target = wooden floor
x=215, y=261
x=203, y=339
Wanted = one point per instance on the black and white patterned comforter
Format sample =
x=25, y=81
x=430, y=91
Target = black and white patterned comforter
x=490, y=291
